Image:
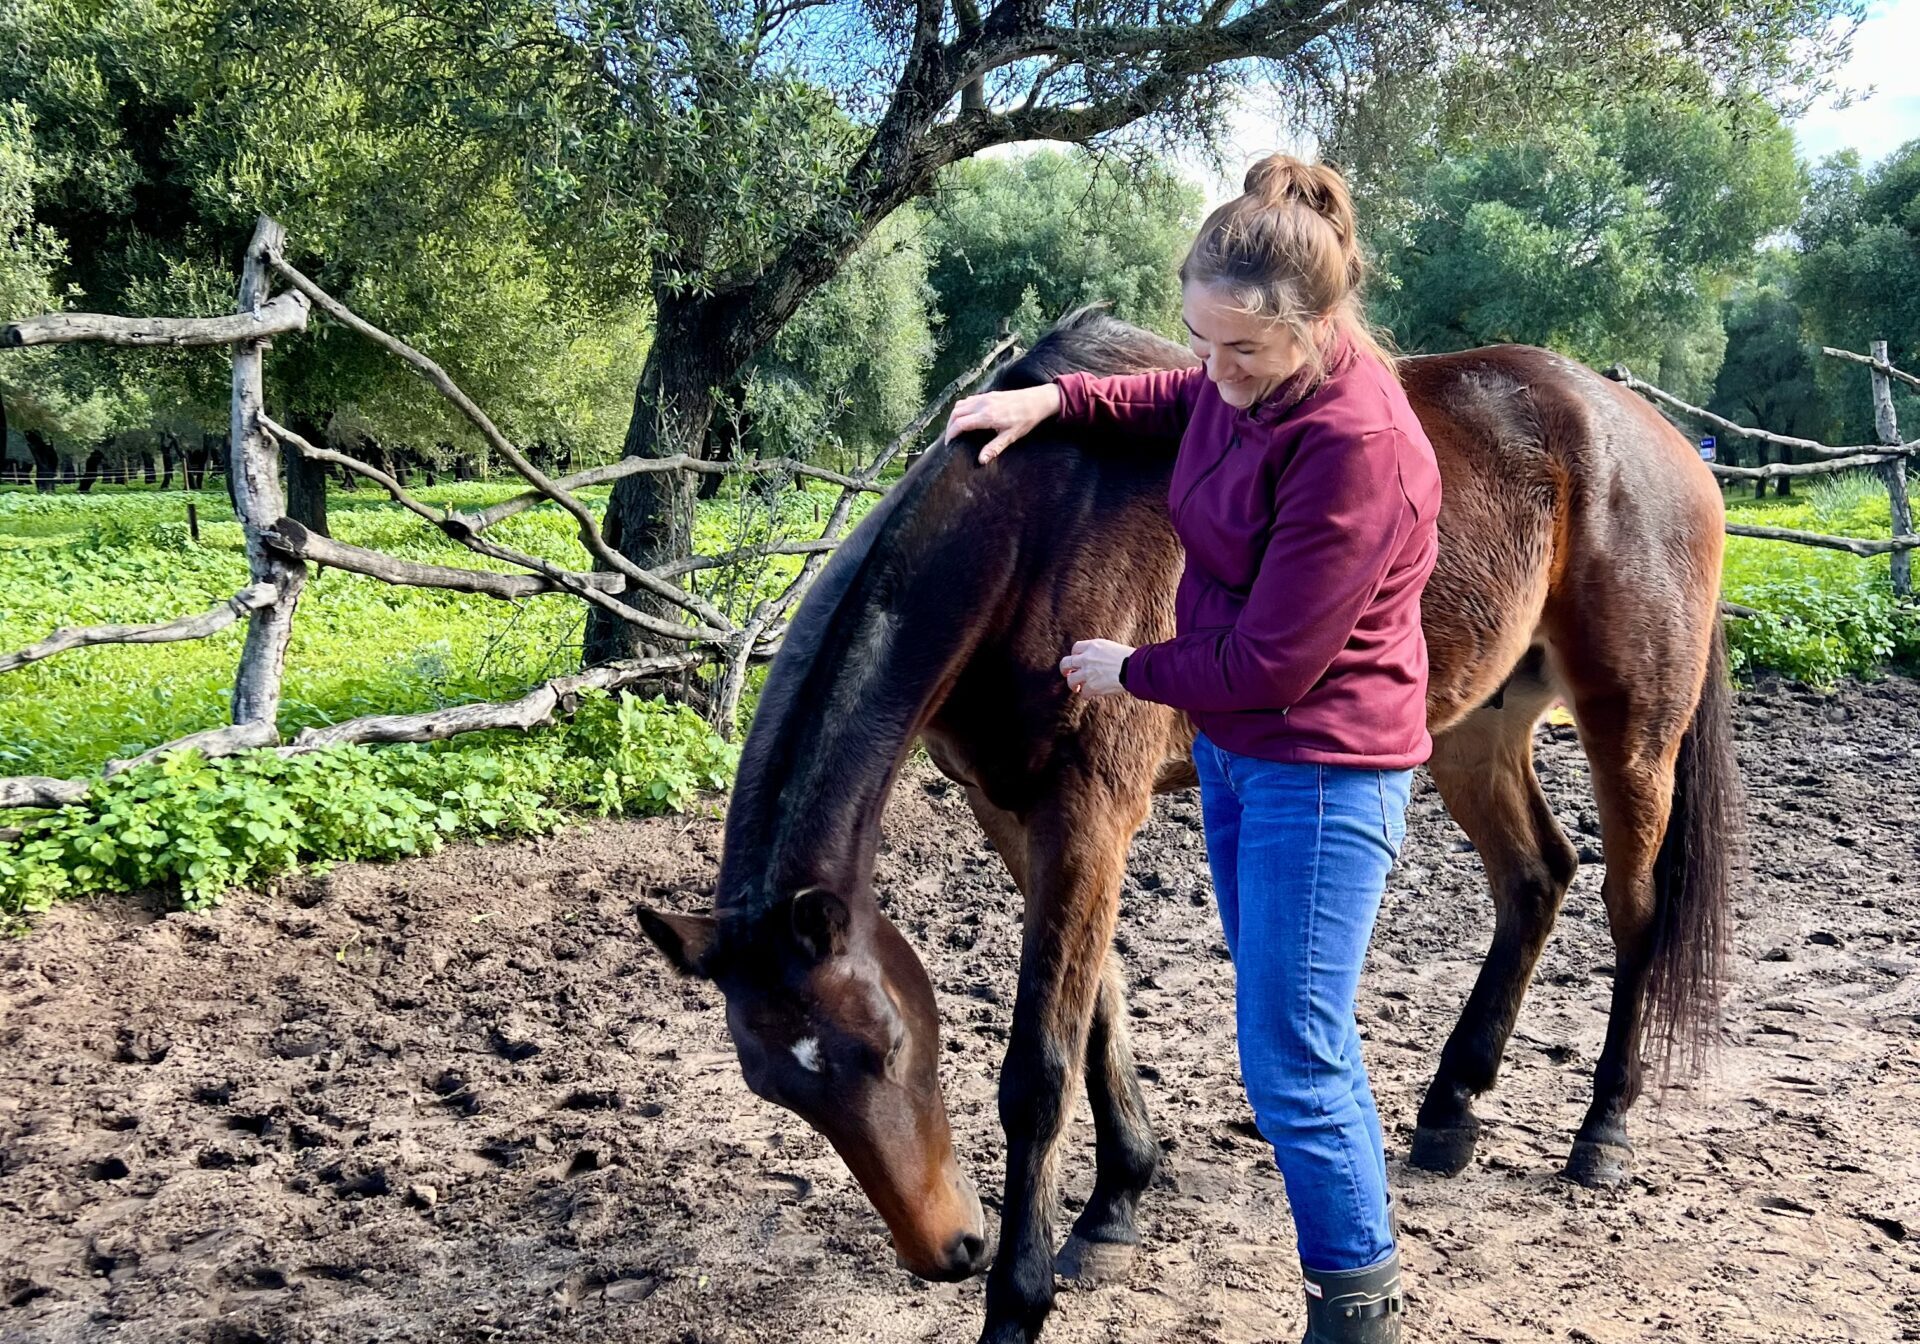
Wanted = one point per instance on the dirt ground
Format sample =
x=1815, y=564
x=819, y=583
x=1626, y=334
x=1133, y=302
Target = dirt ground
x=462, y=1099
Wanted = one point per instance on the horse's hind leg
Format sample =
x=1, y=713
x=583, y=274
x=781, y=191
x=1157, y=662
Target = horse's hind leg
x=1071, y=856
x=1632, y=737
x=1483, y=768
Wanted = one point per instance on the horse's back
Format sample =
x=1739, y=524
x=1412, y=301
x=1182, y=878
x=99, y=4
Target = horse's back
x=1570, y=509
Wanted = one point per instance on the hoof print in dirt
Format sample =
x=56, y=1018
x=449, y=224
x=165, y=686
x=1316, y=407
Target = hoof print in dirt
x=19, y=1292
x=612, y=1286
x=594, y=1099
x=300, y=1043
x=358, y=1182
x=513, y=1040
x=258, y=1279
x=457, y=1092
x=140, y=1047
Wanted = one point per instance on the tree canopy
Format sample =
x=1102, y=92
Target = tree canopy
x=1612, y=236
x=1029, y=238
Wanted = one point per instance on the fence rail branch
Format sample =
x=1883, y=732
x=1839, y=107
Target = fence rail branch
x=1830, y=467
x=536, y=708
x=291, y=538
x=1854, y=545
x=567, y=580
x=1877, y=365
x=288, y=312
x=197, y=626
x=1620, y=374
x=41, y=791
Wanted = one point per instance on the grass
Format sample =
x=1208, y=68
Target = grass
x=359, y=647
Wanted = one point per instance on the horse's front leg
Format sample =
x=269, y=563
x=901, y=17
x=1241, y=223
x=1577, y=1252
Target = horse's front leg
x=1075, y=857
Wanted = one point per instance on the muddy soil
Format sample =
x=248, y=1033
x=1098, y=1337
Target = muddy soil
x=461, y=1099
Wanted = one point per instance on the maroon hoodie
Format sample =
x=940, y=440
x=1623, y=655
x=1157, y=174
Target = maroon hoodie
x=1308, y=523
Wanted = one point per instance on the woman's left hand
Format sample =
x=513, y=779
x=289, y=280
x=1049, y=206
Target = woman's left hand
x=1093, y=668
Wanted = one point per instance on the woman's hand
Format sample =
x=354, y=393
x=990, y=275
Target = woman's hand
x=1012, y=414
x=1093, y=668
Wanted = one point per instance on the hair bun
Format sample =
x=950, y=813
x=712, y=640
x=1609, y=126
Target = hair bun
x=1281, y=179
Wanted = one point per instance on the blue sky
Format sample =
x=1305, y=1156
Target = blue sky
x=1884, y=68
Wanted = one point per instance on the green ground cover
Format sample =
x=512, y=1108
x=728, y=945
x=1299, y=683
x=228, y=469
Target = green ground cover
x=360, y=646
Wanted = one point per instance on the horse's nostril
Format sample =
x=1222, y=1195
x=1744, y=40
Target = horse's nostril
x=973, y=1250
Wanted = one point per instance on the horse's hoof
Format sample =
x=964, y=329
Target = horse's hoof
x=1089, y=1264
x=1446, y=1151
x=1598, y=1166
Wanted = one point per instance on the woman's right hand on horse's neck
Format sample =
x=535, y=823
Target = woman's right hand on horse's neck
x=1011, y=414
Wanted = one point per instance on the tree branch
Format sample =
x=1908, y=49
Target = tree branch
x=164, y=632
x=288, y=312
x=228, y=741
x=1828, y=467
x=1853, y=545
x=641, y=466
x=290, y=538
x=538, y=707
x=41, y=791
x=718, y=631
x=590, y=536
x=1620, y=374
x=1872, y=363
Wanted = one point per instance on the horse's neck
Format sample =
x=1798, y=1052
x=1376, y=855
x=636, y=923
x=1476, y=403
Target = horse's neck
x=836, y=722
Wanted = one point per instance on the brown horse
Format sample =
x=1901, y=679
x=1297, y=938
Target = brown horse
x=1580, y=541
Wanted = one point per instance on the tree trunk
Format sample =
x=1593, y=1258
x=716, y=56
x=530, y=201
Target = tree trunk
x=725, y=437
x=462, y=469
x=46, y=463
x=169, y=449
x=147, y=474
x=196, y=468
x=91, y=472
x=697, y=346
x=306, y=479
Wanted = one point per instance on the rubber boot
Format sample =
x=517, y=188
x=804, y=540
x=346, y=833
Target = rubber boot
x=1355, y=1306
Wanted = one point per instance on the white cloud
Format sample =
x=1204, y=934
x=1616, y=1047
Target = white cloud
x=1886, y=58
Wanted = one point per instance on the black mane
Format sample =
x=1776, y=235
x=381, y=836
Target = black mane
x=1090, y=340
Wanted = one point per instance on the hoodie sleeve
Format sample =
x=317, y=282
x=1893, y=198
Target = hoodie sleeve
x=1141, y=407
x=1341, y=518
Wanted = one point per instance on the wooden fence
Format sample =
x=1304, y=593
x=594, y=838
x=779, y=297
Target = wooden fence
x=279, y=549
x=1888, y=458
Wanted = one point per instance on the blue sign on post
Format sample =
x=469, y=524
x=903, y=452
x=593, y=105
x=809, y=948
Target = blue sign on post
x=1707, y=444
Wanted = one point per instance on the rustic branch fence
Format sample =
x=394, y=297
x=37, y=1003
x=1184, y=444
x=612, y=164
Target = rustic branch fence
x=279, y=549
x=1888, y=458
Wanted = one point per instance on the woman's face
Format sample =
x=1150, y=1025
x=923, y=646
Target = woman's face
x=1246, y=358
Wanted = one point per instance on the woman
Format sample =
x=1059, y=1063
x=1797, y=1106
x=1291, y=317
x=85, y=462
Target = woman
x=1305, y=494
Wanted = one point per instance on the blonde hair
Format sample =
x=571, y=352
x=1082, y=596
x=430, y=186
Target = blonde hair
x=1287, y=252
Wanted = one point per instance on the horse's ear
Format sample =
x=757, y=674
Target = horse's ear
x=688, y=940
x=819, y=921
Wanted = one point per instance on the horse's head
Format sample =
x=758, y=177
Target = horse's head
x=833, y=1017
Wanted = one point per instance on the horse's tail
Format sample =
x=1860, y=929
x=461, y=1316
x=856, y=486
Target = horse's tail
x=1693, y=876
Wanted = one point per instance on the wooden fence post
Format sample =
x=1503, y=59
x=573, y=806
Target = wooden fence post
x=253, y=473
x=1894, y=473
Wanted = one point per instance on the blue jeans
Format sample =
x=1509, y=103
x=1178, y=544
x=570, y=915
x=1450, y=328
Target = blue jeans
x=1300, y=855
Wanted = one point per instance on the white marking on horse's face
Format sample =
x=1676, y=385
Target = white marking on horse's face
x=807, y=1051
